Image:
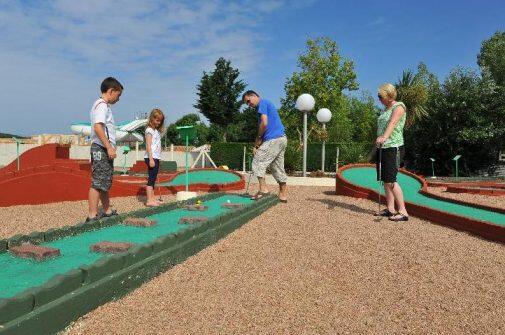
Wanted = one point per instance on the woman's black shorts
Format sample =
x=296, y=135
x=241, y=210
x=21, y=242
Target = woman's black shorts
x=391, y=160
x=153, y=172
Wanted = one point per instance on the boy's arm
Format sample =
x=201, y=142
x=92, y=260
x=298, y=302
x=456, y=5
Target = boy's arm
x=99, y=131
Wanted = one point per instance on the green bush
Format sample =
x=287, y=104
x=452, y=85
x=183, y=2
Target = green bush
x=349, y=152
x=230, y=154
x=293, y=159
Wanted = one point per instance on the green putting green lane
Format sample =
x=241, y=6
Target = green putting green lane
x=19, y=274
x=366, y=177
x=204, y=177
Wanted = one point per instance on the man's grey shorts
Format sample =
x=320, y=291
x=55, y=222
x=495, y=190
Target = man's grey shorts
x=102, y=168
x=271, y=154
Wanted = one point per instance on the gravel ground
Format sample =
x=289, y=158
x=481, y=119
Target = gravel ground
x=319, y=264
x=494, y=201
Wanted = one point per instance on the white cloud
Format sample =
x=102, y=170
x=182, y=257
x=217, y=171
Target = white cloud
x=53, y=55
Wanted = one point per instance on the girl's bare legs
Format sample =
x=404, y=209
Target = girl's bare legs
x=151, y=201
x=390, y=199
x=398, y=196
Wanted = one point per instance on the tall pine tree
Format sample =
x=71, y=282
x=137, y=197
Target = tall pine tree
x=219, y=95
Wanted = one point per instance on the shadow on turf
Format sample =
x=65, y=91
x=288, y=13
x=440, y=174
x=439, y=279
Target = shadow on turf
x=333, y=204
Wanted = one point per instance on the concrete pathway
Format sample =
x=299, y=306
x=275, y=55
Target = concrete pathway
x=299, y=181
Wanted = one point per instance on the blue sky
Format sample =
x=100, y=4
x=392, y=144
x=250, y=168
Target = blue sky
x=54, y=54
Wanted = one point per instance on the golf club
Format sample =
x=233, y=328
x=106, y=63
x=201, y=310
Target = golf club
x=248, y=178
x=379, y=184
x=160, y=199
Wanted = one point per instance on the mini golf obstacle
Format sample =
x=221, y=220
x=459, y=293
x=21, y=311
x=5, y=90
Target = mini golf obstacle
x=359, y=180
x=105, y=259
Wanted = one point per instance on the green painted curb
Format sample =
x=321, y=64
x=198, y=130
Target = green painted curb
x=3, y=246
x=36, y=237
x=17, y=240
x=57, y=286
x=16, y=306
x=44, y=310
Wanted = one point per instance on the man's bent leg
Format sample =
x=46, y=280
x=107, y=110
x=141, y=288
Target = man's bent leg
x=277, y=166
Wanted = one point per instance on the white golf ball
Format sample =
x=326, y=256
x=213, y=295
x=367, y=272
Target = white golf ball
x=228, y=201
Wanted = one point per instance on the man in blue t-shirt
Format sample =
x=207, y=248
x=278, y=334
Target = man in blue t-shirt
x=269, y=146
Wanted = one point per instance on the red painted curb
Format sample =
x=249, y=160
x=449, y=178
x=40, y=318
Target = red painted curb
x=491, y=184
x=484, y=229
x=476, y=190
x=47, y=184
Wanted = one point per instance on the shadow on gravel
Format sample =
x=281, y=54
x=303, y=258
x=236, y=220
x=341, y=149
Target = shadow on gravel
x=333, y=203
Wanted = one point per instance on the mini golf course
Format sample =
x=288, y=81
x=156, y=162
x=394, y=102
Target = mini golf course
x=359, y=180
x=92, y=263
x=204, y=176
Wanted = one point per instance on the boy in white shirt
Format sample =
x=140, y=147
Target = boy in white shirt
x=103, y=148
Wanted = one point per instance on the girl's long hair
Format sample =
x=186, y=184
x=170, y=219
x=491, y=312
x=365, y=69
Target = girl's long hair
x=156, y=113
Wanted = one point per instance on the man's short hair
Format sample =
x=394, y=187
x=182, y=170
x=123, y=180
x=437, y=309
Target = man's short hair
x=109, y=83
x=249, y=93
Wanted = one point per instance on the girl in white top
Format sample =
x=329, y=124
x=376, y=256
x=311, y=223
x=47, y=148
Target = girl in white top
x=153, y=152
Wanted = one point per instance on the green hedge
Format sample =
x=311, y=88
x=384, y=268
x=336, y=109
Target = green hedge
x=350, y=152
x=231, y=154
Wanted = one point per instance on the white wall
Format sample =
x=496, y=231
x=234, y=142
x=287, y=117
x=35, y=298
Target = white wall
x=8, y=151
x=8, y=154
x=82, y=152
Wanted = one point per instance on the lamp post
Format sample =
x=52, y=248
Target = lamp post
x=432, y=168
x=323, y=115
x=456, y=158
x=305, y=103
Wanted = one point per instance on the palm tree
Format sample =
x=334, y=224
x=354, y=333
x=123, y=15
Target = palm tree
x=414, y=94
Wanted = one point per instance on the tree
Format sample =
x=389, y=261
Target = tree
x=325, y=74
x=466, y=118
x=491, y=58
x=245, y=128
x=192, y=119
x=219, y=95
x=363, y=115
x=413, y=93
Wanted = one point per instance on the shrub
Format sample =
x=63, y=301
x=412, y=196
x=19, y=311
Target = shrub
x=230, y=154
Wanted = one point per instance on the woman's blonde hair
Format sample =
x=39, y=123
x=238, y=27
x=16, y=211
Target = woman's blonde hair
x=388, y=91
x=156, y=113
